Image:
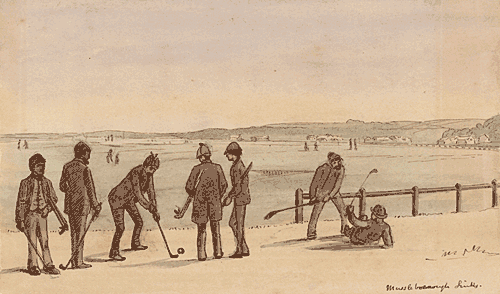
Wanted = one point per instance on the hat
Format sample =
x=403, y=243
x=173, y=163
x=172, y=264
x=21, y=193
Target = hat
x=34, y=160
x=203, y=150
x=379, y=211
x=151, y=160
x=233, y=148
x=81, y=147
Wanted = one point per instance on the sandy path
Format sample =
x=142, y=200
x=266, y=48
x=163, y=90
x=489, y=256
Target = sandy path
x=280, y=262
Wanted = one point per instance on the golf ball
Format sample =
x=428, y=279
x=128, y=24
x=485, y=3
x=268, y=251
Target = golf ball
x=180, y=250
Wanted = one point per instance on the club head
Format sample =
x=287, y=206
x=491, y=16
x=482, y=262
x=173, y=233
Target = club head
x=374, y=171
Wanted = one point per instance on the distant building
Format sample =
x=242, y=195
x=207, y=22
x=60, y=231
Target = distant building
x=311, y=138
x=236, y=138
x=466, y=140
x=447, y=141
x=261, y=138
x=484, y=139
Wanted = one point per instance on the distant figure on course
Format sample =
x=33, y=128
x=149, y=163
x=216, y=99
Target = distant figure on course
x=32, y=209
x=306, y=148
x=316, y=146
x=365, y=232
x=124, y=198
x=350, y=143
x=117, y=159
x=19, y=145
x=355, y=144
x=240, y=194
x=109, y=157
x=25, y=144
x=325, y=186
x=78, y=185
x=205, y=186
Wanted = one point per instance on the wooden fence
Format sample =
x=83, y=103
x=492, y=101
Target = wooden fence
x=415, y=192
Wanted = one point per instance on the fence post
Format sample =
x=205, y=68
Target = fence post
x=362, y=202
x=459, y=197
x=494, y=193
x=414, y=206
x=299, y=212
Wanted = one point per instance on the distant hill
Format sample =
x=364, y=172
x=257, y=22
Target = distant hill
x=418, y=131
x=490, y=127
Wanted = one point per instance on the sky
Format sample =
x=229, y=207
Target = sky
x=174, y=66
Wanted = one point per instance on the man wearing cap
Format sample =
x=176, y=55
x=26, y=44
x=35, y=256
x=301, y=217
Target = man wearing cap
x=365, y=232
x=77, y=183
x=206, y=185
x=325, y=186
x=32, y=209
x=124, y=198
x=241, y=196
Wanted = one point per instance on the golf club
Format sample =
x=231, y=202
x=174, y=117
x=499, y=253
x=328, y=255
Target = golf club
x=61, y=266
x=179, y=250
x=373, y=171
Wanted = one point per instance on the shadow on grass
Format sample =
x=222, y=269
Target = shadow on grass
x=164, y=263
x=13, y=270
x=303, y=241
x=98, y=257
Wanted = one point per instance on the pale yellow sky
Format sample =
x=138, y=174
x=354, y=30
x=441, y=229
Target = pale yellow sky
x=167, y=66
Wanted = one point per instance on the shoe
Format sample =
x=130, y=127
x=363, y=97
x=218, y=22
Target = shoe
x=311, y=238
x=117, y=257
x=245, y=254
x=219, y=256
x=51, y=270
x=236, y=255
x=344, y=229
x=139, y=247
x=202, y=259
x=34, y=271
x=83, y=266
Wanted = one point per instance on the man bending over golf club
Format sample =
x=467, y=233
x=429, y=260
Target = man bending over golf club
x=124, y=198
x=367, y=231
x=325, y=186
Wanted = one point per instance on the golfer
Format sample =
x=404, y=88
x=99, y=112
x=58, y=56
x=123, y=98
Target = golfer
x=207, y=184
x=241, y=196
x=325, y=186
x=367, y=231
x=124, y=198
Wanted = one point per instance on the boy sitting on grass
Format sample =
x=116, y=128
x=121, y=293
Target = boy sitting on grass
x=365, y=232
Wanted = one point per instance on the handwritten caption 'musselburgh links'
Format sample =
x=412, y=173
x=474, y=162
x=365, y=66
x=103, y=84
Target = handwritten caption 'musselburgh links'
x=411, y=287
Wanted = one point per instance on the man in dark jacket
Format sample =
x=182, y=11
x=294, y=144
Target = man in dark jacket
x=206, y=185
x=78, y=185
x=241, y=196
x=32, y=209
x=367, y=231
x=325, y=186
x=124, y=198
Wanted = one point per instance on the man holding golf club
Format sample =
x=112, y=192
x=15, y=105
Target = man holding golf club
x=32, y=209
x=205, y=186
x=124, y=198
x=325, y=186
x=78, y=185
x=241, y=196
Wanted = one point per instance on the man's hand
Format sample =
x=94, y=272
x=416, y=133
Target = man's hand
x=45, y=212
x=227, y=201
x=350, y=208
x=97, y=210
x=20, y=226
x=177, y=212
x=156, y=216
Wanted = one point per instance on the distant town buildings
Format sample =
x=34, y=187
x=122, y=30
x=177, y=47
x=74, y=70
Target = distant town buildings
x=464, y=140
x=324, y=138
x=387, y=139
x=261, y=138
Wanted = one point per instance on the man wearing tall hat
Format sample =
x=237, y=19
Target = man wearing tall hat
x=240, y=194
x=206, y=185
x=32, y=209
x=78, y=185
x=124, y=198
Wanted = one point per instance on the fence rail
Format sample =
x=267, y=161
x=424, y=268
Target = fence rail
x=415, y=192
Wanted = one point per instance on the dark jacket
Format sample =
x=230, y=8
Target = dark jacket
x=24, y=196
x=131, y=189
x=240, y=191
x=326, y=181
x=206, y=184
x=365, y=232
x=76, y=181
